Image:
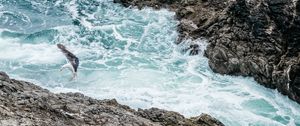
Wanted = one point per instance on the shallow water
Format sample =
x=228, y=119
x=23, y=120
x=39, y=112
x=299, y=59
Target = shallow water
x=130, y=55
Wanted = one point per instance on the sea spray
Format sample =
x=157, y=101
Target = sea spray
x=130, y=55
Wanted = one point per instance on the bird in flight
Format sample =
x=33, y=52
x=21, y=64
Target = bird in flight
x=73, y=61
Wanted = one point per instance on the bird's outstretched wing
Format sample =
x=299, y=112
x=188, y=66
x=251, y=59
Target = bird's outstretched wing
x=70, y=56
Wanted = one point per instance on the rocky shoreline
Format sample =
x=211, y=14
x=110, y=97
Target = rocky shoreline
x=258, y=38
x=23, y=103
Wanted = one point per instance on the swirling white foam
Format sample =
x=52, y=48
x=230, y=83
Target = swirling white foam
x=130, y=55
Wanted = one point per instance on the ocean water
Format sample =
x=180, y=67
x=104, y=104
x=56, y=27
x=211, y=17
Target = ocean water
x=130, y=55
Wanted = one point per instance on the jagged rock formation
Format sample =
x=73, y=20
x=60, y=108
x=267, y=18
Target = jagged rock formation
x=259, y=38
x=23, y=103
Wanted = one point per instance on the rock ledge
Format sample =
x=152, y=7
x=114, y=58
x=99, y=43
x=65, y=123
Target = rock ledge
x=23, y=103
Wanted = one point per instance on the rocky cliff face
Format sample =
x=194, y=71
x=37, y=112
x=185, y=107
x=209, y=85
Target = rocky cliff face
x=23, y=103
x=259, y=38
x=260, y=41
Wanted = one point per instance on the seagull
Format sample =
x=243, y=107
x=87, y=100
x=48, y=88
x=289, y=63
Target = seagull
x=73, y=61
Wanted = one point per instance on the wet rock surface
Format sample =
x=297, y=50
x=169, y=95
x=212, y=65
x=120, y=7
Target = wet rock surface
x=258, y=38
x=23, y=103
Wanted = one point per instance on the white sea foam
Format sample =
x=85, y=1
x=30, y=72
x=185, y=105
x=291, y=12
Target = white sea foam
x=42, y=53
x=131, y=56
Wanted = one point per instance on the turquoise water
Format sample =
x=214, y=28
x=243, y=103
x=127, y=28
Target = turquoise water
x=130, y=55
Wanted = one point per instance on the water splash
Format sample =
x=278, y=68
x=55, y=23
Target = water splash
x=129, y=54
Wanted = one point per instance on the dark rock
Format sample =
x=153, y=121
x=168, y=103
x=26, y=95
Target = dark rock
x=206, y=120
x=164, y=117
x=23, y=103
x=3, y=75
x=194, y=49
x=168, y=118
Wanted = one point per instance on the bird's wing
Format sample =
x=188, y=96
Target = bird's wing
x=70, y=56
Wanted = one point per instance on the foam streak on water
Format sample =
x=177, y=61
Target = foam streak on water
x=130, y=55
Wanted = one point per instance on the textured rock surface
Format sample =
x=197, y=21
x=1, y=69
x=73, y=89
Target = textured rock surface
x=259, y=38
x=23, y=103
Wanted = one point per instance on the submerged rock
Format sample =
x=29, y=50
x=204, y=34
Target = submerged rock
x=258, y=38
x=23, y=103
